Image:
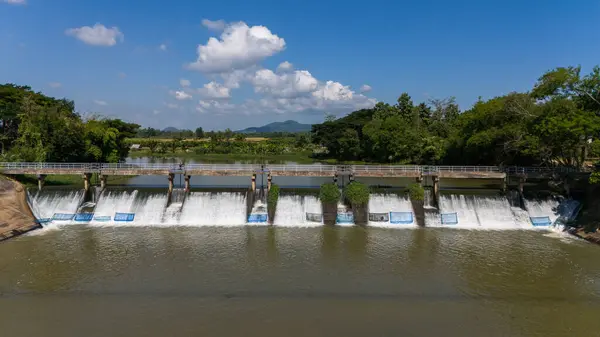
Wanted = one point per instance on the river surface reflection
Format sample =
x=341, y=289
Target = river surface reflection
x=270, y=281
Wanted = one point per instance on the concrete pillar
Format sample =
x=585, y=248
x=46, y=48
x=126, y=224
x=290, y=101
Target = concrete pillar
x=436, y=189
x=102, y=181
x=187, y=183
x=419, y=179
x=171, y=178
x=254, y=182
x=41, y=179
x=86, y=181
x=504, y=183
x=269, y=179
x=521, y=184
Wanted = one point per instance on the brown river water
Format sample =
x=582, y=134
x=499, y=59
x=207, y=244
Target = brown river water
x=275, y=281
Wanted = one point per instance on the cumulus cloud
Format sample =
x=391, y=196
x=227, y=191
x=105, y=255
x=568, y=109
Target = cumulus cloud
x=181, y=95
x=214, y=90
x=218, y=25
x=98, y=35
x=99, y=102
x=285, y=66
x=184, y=83
x=284, y=85
x=163, y=47
x=238, y=47
x=365, y=88
x=15, y=2
x=213, y=106
x=55, y=85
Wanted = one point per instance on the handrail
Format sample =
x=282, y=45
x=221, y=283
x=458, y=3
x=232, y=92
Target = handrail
x=433, y=169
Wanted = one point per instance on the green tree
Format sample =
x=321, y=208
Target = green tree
x=199, y=133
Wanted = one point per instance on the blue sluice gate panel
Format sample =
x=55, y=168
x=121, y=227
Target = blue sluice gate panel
x=401, y=218
x=539, y=221
x=63, y=216
x=449, y=218
x=126, y=217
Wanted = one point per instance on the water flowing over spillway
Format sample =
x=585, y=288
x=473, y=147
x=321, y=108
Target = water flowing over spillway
x=481, y=212
x=292, y=209
x=214, y=209
x=386, y=203
x=231, y=209
x=47, y=203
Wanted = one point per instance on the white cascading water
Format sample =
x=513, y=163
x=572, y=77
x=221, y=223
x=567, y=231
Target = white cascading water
x=463, y=207
x=292, y=209
x=112, y=202
x=481, y=212
x=149, y=210
x=214, y=209
x=385, y=203
x=538, y=208
x=46, y=203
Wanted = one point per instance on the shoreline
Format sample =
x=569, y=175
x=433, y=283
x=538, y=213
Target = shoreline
x=592, y=237
x=15, y=214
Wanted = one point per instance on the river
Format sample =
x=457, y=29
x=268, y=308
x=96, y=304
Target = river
x=273, y=281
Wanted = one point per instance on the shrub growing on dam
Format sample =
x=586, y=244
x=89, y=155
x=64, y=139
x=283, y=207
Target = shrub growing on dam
x=330, y=193
x=272, y=198
x=416, y=192
x=357, y=194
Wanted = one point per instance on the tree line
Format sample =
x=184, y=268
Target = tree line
x=38, y=128
x=556, y=123
x=199, y=133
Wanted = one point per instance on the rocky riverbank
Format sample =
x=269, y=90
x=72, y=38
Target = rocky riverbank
x=16, y=216
x=593, y=237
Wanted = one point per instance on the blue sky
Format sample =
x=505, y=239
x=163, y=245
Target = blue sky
x=273, y=60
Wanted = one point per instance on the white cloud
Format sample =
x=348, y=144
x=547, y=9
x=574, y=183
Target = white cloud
x=15, y=2
x=163, y=47
x=285, y=66
x=214, y=90
x=98, y=35
x=55, y=85
x=365, y=88
x=184, y=83
x=334, y=91
x=218, y=25
x=284, y=85
x=239, y=47
x=99, y=102
x=181, y=95
x=216, y=107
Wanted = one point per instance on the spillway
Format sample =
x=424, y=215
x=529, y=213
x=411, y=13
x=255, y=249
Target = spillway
x=214, y=209
x=45, y=203
x=386, y=203
x=481, y=212
x=292, y=209
x=230, y=209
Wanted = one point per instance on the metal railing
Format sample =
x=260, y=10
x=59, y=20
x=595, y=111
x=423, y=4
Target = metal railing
x=330, y=169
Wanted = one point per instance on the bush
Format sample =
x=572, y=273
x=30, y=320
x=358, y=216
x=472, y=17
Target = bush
x=416, y=192
x=357, y=193
x=272, y=197
x=330, y=193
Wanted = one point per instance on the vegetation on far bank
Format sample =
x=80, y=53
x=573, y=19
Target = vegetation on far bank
x=357, y=193
x=556, y=123
x=65, y=180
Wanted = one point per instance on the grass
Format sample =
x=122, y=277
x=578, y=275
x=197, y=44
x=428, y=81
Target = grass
x=357, y=193
x=66, y=180
x=142, y=140
x=299, y=157
x=330, y=193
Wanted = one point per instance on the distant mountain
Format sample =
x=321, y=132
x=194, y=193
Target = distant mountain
x=287, y=126
x=170, y=129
